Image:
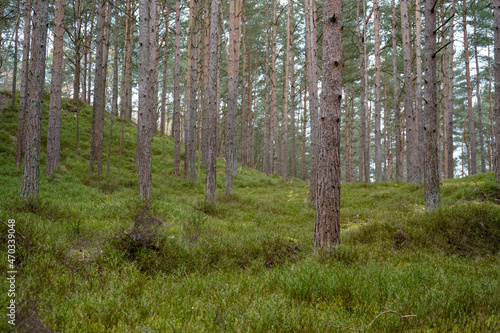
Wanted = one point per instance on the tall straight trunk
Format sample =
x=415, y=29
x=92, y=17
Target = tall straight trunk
x=472, y=130
x=85, y=60
x=492, y=118
x=449, y=172
x=419, y=111
x=274, y=98
x=212, y=111
x=126, y=99
x=204, y=105
x=378, y=94
x=23, y=92
x=347, y=139
x=388, y=161
x=496, y=25
x=244, y=82
x=397, y=113
x=364, y=172
x=54, y=130
x=30, y=185
x=193, y=106
x=431, y=170
x=304, y=126
x=147, y=98
x=293, y=157
x=249, y=118
x=176, y=130
x=478, y=98
x=114, y=99
x=313, y=95
x=327, y=217
x=284, y=112
x=163, y=106
x=232, y=97
x=89, y=64
x=16, y=42
x=96, y=145
x=411, y=126
x=188, y=90
x=267, y=110
x=78, y=55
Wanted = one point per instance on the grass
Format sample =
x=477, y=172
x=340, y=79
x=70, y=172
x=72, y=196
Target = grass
x=96, y=260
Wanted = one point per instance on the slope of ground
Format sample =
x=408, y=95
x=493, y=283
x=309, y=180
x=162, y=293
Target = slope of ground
x=95, y=260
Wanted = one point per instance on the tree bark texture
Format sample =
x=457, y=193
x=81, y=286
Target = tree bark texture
x=378, y=94
x=496, y=13
x=327, y=217
x=472, y=130
x=177, y=91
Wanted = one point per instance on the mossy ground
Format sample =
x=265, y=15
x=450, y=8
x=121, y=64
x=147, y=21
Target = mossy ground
x=95, y=260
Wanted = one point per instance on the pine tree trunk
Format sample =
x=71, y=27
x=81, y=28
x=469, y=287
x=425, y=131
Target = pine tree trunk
x=177, y=93
x=496, y=26
x=127, y=61
x=273, y=140
x=397, y=113
x=212, y=111
x=304, y=126
x=472, y=130
x=449, y=172
x=147, y=98
x=364, y=172
x=194, y=89
x=347, y=139
x=378, y=95
x=411, y=126
x=24, y=91
x=31, y=172
x=78, y=56
x=267, y=111
x=249, y=118
x=54, y=128
x=491, y=142
x=419, y=111
x=16, y=42
x=478, y=99
x=327, y=217
x=114, y=99
x=232, y=98
x=431, y=170
x=293, y=165
x=244, y=103
x=284, y=113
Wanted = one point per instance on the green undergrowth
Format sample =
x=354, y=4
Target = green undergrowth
x=93, y=258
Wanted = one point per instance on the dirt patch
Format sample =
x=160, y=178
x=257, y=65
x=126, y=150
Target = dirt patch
x=31, y=322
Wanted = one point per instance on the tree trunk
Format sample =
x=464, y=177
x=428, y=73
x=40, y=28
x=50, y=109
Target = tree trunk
x=212, y=111
x=273, y=140
x=54, y=129
x=478, y=98
x=16, y=42
x=364, y=171
x=449, y=172
x=78, y=47
x=193, y=105
x=397, y=114
x=411, y=126
x=114, y=100
x=31, y=172
x=492, y=119
x=496, y=13
x=177, y=92
x=472, y=130
x=284, y=112
x=249, y=120
x=293, y=167
x=304, y=126
x=147, y=98
x=24, y=91
x=127, y=61
x=267, y=116
x=419, y=111
x=431, y=170
x=347, y=139
x=232, y=97
x=327, y=218
x=96, y=145
x=378, y=95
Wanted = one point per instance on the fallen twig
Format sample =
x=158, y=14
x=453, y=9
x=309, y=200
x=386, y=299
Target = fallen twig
x=16, y=230
x=371, y=323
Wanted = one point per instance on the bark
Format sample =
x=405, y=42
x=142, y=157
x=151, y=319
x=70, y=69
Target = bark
x=284, y=113
x=472, y=130
x=449, y=172
x=212, y=111
x=249, y=118
x=54, y=128
x=273, y=140
x=267, y=110
x=244, y=103
x=16, y=42
x=347, y=140
x=431, y=170
x=194, y=89
x=163, y=107
x=411, y=126
x=496, y=27
x=419, y=111
x=378, y=94
x=204, y=112
x=364, y=168
x=78, y=55
x=397, y=113
x=127, y=61
x=304, y=126
x=232, y=98
x=31, y=172
x=147, y=98
x=23, y=92
x=327, y=217
x=177, y=98
x=491, y=142
x=313, y=97
x=478, y=98
x=293, y=157
x=96, y=145
x=114, y=100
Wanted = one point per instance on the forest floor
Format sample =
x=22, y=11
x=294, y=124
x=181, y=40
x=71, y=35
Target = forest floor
x=94, y=259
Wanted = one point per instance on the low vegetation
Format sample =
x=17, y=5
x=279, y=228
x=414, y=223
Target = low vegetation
x=95, y=259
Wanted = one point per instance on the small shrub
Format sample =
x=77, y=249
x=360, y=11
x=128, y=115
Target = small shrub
x=277, y=251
